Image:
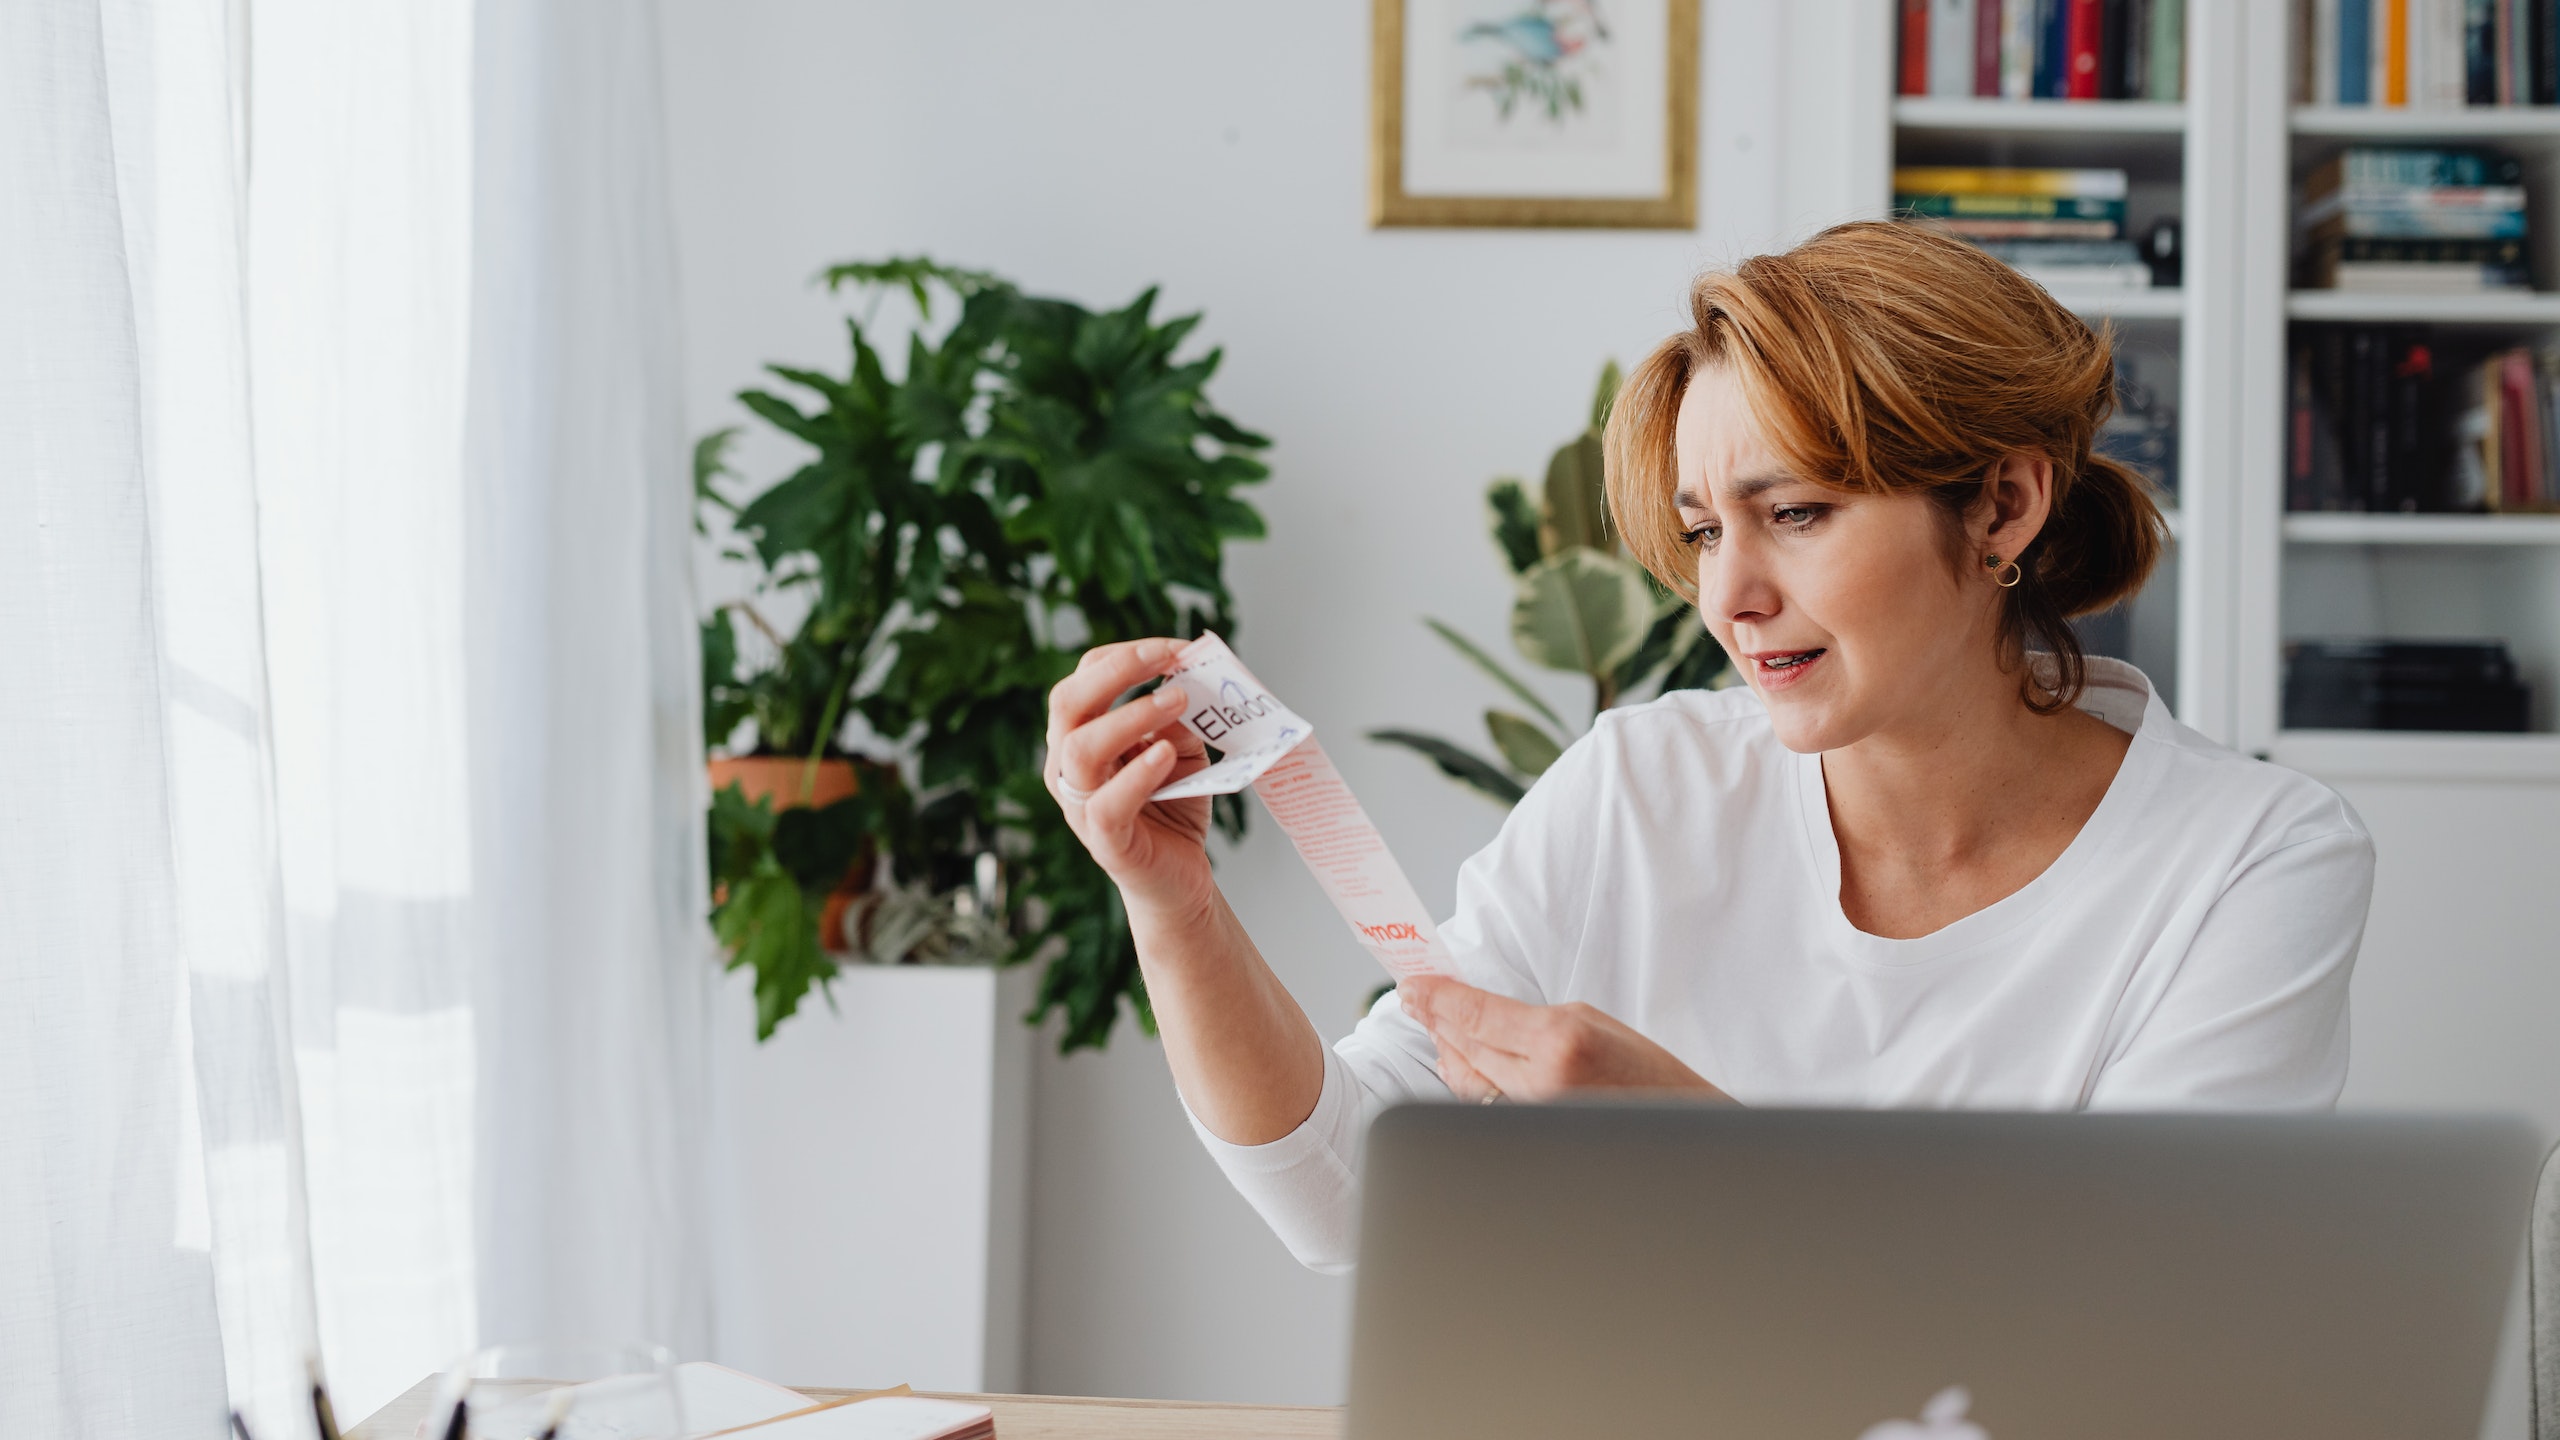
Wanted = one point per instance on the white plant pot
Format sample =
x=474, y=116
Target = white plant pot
x=870, y=1208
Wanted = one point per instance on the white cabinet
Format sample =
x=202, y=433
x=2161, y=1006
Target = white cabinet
x=869, y=1195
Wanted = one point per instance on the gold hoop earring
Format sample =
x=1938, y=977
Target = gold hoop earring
x=2004, y=573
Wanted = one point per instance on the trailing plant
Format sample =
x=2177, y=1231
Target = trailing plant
x=1579, y=605
x=1034, y=479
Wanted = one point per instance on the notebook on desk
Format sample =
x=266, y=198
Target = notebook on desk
x=721, y=1401
x=717, y=1400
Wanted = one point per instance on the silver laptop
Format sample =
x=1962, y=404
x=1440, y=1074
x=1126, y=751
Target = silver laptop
x=1648, y=1270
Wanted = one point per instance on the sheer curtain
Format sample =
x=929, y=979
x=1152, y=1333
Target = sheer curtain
x=351, y=970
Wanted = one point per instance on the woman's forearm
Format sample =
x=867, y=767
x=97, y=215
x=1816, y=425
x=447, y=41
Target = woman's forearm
x=1245, y=1056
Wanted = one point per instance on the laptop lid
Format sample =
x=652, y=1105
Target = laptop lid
x=1652, y=1269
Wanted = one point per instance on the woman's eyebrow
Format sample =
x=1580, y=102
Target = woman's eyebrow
x=1686, y=498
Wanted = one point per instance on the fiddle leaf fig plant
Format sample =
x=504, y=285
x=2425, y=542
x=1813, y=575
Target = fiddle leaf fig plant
x=1579, y=605
x=1033, y=478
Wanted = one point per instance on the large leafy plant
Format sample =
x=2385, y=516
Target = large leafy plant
x=1034, y=479
x=1579, y=605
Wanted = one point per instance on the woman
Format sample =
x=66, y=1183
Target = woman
x=1930, y=856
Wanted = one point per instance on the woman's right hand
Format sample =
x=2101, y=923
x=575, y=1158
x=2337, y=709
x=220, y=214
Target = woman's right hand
x=1104, y=762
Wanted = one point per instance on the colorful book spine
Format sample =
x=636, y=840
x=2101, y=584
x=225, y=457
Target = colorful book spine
x=1986, y=48
x=1994, y=229
x=2087, y=24
x=1951, y=48
x=2546, y=53
x=2355, y=52
x=2443, y=28
x=2389, y=250
x=2394, y=52
x=2018, y=32
x=2165, y=68
x=2479, y=52
x=2412, y=224
x=1966, y=180
x=2530, y=18
x=2052, y=49
x=2503, y=48
x=2012, y=207
x=1913, y=73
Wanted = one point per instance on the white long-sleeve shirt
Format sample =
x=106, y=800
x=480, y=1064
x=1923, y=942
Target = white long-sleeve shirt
x=1676, y=869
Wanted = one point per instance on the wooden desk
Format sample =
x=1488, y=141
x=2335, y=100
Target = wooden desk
x=1021, y=1417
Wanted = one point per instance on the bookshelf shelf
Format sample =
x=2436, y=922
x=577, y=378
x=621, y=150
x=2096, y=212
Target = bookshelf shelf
x=2157, y=304
x=2403, y=755
x=2353, y=529
x=2484, y=311
x=2043, y=117
x=2385, y=122
x=2245, y=578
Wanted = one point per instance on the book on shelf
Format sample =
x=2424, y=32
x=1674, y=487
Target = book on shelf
x=2426, y=54
x=2396, y=418
x=1986, y=228
x=2443, y=212
x=2458, y=685
x=1979, y=206
x=2415, y=219
x=2364, y=167
x=2063, y=229
x=2507, y=438
x=2143, y=430
x=2043, y=49
x=2074, y=264
x=2413, y=277
x=2006, y=180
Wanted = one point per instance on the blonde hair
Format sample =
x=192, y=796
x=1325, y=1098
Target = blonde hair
x=1894, y=359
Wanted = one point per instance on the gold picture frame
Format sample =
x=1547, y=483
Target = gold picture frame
x=1675, y=207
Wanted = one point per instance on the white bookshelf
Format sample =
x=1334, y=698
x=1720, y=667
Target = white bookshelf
x=2247, y=577
x=2496, y=311
x=2040, y=117
x=2438, y=530
x=2149, y=141
x=2154, y=304
x=2311, y=576
x=2471, y=124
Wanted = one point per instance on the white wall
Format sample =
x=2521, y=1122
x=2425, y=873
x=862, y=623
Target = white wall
x=1220, y=149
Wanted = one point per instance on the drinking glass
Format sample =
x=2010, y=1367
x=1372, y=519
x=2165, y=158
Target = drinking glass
x=559, y=1390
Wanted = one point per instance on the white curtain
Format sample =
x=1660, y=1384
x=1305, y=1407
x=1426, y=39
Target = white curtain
x=351, y=979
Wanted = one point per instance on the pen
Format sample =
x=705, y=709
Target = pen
x=240, y=1427
x=461, y=1422
x=560, y=1402
x=323, y=1417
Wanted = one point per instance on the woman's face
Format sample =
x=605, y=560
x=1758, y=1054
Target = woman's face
x=1841, y=608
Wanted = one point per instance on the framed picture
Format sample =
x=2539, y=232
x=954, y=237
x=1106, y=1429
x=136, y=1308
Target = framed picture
x=1534, y=112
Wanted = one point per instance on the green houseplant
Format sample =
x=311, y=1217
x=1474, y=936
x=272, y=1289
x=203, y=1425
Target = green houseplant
x=1036, y=478
x=1579, y=605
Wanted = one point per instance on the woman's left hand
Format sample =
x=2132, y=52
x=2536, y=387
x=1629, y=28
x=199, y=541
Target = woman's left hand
x=1493, y=1045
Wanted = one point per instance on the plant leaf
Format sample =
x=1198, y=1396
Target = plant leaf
x=770, y=926
x=1515, y=522
x=1493, y=667
x=1458, y=764
x=1605, y=396
x=1703, y=666
x=1577, y=499
x=710, y=462
x=1668, y=641
x=1581, y=611
x=1527, y=748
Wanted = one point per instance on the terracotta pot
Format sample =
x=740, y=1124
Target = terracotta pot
x=780, y=778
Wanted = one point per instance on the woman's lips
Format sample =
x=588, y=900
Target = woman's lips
x=1779, y=669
